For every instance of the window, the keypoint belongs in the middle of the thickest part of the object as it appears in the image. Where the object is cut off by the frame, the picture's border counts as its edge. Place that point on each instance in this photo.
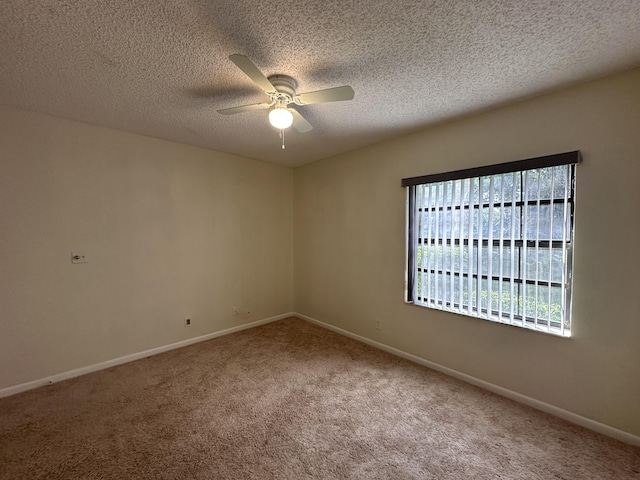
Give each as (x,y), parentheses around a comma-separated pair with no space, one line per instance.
(495,242)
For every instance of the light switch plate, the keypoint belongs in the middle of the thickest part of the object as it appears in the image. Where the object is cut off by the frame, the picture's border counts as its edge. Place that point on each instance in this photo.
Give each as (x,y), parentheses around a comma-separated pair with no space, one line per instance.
(79,257)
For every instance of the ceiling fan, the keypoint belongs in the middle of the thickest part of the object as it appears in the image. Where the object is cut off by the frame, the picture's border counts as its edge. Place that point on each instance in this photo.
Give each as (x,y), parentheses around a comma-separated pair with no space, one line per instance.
(281,90)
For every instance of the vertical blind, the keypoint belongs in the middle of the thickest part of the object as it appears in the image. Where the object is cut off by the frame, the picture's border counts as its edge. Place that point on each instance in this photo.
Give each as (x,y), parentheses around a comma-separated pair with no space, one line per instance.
(495,242)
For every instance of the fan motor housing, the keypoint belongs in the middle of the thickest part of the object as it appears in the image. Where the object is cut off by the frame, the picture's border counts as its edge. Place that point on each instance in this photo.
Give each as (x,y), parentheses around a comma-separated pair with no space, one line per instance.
(284,84)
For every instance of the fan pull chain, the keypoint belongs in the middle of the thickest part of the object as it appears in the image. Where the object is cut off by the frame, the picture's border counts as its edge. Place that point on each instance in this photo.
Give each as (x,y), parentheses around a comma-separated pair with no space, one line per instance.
(282,136)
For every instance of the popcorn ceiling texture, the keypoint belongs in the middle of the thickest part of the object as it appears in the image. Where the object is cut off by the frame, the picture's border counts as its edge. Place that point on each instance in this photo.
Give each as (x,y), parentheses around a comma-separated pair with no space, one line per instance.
(161,68)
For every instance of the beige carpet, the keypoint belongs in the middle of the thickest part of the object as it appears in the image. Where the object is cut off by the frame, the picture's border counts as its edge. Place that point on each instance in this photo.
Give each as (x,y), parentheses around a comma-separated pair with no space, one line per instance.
(290,400)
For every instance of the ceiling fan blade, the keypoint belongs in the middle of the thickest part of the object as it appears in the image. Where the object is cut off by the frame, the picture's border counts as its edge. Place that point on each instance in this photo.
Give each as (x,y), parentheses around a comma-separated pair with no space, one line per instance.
(253,72)
(299,122)
(335,94)
(244,108)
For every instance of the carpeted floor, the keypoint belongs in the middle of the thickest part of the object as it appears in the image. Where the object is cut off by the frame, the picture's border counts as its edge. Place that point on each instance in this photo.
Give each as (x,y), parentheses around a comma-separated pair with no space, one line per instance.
(290,400)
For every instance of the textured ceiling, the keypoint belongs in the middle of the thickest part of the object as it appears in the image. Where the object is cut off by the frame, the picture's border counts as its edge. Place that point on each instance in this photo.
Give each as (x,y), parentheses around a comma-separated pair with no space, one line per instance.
(161,68)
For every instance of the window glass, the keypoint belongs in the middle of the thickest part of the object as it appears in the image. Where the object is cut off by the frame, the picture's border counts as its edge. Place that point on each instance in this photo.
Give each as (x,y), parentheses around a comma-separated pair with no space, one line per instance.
(496,246)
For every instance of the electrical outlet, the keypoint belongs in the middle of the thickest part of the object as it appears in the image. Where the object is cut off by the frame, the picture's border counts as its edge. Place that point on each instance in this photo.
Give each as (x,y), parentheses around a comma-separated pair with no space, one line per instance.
(378,324)
(239,311)
(187,322)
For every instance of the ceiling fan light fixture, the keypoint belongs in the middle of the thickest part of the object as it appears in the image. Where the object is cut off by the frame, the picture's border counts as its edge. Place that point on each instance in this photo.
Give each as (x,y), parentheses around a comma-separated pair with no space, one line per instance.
(280,118)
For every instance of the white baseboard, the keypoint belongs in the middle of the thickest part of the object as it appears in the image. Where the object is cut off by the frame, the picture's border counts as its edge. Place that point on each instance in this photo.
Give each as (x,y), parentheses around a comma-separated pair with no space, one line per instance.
(23,387)
(574,418)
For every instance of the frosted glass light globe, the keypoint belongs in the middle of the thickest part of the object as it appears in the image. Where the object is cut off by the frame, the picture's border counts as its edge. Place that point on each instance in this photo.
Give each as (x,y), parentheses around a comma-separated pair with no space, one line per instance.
(280,118)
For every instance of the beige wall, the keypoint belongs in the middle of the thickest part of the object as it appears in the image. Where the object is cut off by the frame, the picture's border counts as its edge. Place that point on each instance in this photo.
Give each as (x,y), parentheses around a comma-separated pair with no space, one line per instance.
(171,231)
(350,246)
(174,231)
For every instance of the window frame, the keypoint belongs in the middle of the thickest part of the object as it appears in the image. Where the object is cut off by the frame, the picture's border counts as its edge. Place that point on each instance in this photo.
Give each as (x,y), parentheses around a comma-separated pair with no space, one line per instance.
(414,242)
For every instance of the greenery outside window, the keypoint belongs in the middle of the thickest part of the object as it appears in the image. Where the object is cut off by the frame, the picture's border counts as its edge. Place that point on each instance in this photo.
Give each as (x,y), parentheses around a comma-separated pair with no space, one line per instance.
(495,242)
